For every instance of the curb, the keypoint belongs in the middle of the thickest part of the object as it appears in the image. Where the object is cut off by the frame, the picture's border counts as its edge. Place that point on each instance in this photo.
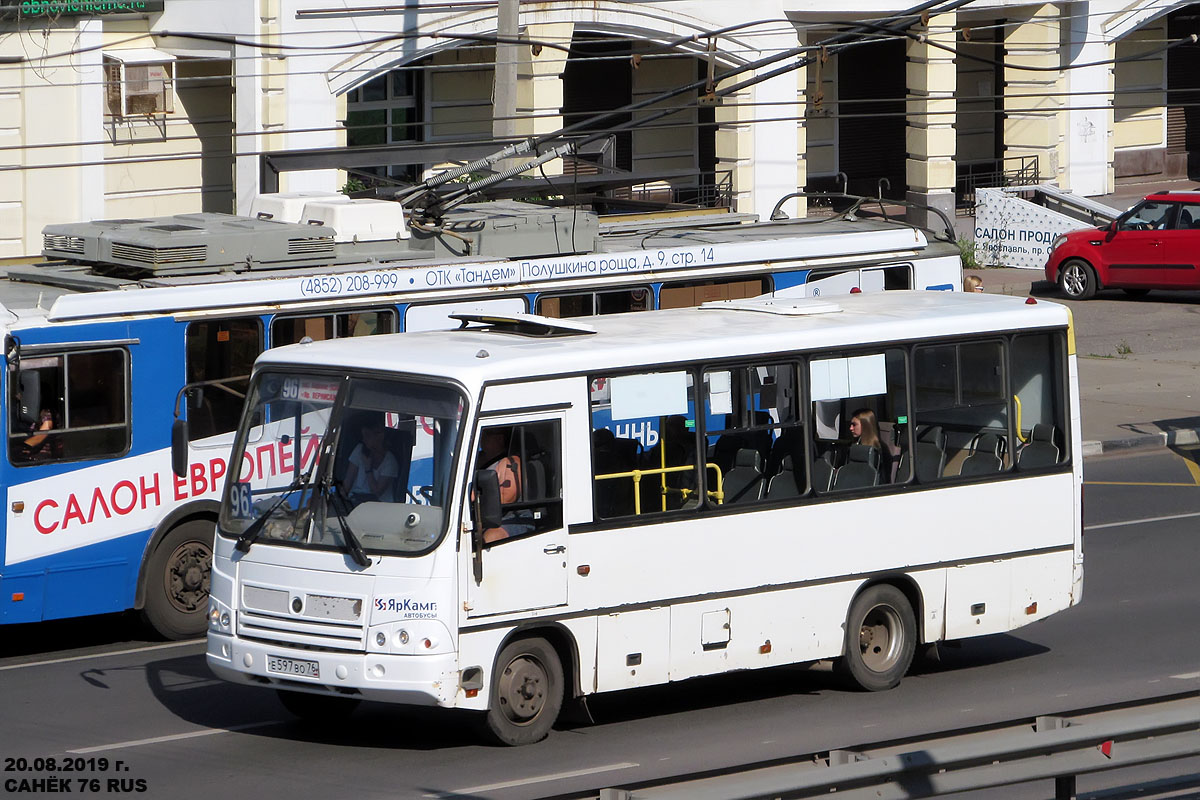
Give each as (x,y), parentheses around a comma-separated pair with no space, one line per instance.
(1144,441)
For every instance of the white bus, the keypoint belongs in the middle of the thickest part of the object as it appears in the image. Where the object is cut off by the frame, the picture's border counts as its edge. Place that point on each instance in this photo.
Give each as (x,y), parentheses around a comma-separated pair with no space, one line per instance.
(827,480)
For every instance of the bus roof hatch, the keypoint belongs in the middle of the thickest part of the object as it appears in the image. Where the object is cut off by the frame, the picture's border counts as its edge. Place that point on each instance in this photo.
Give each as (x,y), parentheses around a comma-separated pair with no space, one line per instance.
(524,324)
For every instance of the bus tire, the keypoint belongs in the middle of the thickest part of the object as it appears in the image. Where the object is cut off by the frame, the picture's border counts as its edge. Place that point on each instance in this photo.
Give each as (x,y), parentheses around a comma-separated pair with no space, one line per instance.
(177,581)
(317,707)
(1077,279)
(881,635)
(527,693)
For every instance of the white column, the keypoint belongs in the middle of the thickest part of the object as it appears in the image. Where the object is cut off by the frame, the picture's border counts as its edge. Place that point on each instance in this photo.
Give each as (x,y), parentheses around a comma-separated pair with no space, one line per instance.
(1089,148)
(91,120)
(775,140)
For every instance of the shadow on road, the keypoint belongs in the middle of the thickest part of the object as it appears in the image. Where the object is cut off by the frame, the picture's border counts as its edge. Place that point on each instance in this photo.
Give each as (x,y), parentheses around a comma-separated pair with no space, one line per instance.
(55,636)
(185,687)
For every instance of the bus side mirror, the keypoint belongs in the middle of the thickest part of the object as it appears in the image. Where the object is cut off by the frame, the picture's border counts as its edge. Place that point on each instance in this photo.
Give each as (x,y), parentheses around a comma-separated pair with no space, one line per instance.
(486,497)
(487,500)
(179,447)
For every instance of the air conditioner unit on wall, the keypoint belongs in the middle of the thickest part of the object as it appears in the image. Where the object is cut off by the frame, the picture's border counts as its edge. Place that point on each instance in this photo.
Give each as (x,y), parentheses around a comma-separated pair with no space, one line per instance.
(139,89)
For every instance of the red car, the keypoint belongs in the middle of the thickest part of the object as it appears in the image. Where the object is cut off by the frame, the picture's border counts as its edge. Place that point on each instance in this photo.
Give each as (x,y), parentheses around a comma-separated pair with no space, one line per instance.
(1154,245)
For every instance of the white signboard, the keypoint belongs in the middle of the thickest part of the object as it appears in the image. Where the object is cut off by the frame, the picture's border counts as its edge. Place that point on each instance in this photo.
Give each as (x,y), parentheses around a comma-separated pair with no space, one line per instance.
(1012,232)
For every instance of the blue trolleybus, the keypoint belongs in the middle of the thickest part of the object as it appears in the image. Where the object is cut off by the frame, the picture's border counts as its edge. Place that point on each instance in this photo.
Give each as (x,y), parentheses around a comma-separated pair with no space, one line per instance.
(131,324)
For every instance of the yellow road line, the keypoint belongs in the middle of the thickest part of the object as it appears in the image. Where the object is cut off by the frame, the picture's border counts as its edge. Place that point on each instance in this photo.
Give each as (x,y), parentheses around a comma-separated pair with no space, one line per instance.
(1193,468)
(1140,483)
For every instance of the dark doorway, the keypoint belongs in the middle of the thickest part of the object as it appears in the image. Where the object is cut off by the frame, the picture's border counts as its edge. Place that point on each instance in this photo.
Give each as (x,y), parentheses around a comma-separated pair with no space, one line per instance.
(871,122)
(1183,95)
(598,77)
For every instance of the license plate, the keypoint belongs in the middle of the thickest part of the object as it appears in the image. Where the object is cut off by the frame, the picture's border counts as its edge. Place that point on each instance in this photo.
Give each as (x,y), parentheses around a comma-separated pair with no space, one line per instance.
(293,666)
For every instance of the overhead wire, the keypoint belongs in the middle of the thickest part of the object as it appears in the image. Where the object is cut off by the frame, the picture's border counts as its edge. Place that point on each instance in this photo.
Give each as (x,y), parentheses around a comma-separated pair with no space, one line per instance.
(482,39)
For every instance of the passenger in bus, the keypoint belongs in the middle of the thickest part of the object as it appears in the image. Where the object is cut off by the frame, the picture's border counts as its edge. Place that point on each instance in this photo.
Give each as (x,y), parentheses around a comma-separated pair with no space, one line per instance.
(39,446)
(372,470)
(864,427)
(494,455)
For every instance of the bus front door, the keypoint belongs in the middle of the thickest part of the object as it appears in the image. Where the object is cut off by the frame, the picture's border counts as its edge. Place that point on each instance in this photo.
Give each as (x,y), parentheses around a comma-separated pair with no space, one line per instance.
(523,563)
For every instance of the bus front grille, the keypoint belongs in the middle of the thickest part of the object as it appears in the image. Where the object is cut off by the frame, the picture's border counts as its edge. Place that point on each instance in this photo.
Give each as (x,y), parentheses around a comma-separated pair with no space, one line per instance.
(319,634)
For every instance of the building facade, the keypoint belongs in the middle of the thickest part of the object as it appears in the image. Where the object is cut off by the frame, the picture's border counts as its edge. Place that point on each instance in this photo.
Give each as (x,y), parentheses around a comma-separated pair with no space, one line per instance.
(130,109)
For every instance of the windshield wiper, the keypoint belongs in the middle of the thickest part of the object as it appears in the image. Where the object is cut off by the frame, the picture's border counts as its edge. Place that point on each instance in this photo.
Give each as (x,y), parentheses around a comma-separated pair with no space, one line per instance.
(353,546)
(250,535)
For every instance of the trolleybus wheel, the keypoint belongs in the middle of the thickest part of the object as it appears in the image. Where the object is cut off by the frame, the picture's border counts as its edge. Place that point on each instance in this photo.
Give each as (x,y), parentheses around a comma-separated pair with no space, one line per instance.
(177,580)
(317,707)
(527,693)
(880,638)
(1077,279)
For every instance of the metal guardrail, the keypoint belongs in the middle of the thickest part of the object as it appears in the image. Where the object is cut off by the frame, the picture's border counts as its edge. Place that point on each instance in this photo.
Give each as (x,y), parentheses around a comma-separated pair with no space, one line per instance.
(1057,748)
(1010,171)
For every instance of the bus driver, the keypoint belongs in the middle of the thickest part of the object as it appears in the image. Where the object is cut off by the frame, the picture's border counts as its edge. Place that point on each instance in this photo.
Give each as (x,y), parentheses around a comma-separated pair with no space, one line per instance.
(493,455)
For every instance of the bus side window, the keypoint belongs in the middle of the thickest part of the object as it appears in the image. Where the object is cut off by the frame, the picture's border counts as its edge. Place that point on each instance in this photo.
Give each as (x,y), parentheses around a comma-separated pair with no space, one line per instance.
(644,444)
(961,409)
(1039,393)
(753,435)
(527,459)
(859,421)
(224,351)
(70,406)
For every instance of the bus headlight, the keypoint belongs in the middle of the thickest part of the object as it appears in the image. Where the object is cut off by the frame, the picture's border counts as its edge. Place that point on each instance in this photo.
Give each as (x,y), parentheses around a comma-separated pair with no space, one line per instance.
(219,618)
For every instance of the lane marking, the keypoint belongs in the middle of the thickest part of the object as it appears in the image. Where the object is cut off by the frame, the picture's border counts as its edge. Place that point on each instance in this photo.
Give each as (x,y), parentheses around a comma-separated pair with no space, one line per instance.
(1193,468)
(1140,521)
(1146,483)
(1187,676)
(102,655)
(175,737)
(557,776)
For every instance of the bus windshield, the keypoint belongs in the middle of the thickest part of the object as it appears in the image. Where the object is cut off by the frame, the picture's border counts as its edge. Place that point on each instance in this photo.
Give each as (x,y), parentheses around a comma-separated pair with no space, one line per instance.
(353,463)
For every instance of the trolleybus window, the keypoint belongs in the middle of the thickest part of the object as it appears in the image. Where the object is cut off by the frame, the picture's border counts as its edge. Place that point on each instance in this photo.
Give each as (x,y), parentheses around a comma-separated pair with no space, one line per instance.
(692,293)
(289,330)
(218,350)
(70,406)
(585,304)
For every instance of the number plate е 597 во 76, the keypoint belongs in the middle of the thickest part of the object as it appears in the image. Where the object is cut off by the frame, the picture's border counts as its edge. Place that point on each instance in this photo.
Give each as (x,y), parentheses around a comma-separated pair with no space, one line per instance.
(292,666)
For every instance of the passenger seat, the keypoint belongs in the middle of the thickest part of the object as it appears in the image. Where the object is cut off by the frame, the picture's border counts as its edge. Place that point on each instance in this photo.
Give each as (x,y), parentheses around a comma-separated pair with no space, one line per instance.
(987,455)
(784,484)
(744,483)
(860,471)
(1040,450)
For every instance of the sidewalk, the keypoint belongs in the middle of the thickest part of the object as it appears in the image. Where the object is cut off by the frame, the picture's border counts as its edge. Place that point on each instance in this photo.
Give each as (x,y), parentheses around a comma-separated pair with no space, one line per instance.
(1140,400)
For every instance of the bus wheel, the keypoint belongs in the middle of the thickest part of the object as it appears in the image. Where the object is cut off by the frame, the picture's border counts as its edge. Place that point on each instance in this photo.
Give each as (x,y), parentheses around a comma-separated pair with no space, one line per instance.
(1077,280)
(880,638)
(177,578)
(317,707)
(527,693)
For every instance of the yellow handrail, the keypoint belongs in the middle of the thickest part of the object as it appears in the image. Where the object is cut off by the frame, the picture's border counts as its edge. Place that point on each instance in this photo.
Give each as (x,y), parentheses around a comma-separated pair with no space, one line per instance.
(1017,403)
(636,475)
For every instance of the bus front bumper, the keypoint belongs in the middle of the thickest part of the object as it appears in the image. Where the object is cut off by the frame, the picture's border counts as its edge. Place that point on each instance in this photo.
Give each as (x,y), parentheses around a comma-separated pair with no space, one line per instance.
(430,680)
